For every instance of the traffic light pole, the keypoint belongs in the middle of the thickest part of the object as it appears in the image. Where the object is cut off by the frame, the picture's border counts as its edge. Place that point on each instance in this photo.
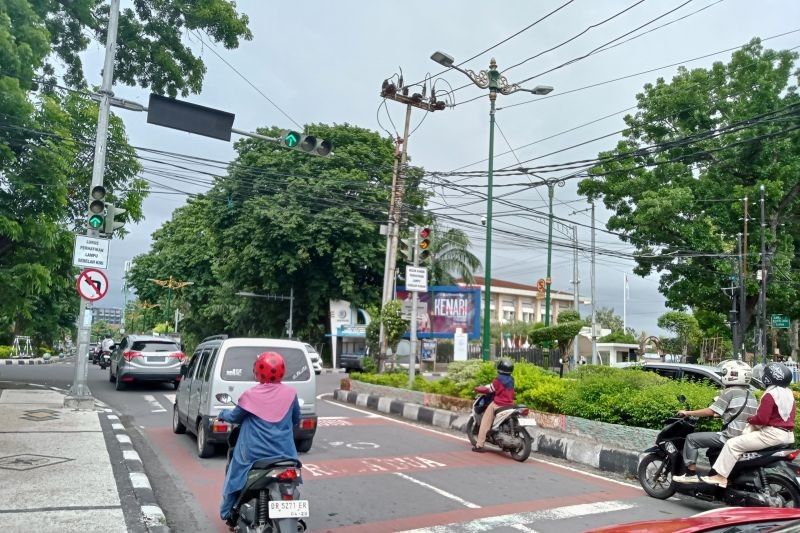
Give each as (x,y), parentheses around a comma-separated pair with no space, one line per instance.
(412,356)
(80,397)
(762,341)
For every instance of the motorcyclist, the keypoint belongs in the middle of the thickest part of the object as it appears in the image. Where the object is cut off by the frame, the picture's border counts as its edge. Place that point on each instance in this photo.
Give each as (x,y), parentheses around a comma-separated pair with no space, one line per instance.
(267,414)
(772,425)
(106,345)
(502,389)
(734,405)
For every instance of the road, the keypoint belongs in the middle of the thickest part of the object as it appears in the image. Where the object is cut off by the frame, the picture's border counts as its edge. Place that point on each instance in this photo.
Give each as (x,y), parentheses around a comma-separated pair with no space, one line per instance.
(371,473)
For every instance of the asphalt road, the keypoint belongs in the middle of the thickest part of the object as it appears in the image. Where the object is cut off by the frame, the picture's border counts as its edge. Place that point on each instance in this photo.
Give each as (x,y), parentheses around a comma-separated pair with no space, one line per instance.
(371,473)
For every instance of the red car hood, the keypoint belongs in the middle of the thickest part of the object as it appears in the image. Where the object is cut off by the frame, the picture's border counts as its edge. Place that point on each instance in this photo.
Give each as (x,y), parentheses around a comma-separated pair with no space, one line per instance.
(710,519)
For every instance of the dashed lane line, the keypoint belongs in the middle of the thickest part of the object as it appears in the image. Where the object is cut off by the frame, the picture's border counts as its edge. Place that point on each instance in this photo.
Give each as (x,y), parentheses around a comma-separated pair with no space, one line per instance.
(438,491)
(154,404)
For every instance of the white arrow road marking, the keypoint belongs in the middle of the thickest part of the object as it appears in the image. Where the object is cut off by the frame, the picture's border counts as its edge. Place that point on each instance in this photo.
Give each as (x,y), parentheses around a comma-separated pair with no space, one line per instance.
(156,407)
(492,523)
(439,491)
(170,398)
(362,445)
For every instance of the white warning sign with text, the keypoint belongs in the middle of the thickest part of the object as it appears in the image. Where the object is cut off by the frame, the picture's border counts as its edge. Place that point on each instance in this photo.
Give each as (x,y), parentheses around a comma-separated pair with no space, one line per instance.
(90,252)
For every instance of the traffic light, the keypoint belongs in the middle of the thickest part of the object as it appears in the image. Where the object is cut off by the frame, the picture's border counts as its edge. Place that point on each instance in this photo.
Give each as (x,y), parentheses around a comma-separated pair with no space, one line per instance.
(109,224)
(424,244)
(407,249)
(308,144)
(97,206)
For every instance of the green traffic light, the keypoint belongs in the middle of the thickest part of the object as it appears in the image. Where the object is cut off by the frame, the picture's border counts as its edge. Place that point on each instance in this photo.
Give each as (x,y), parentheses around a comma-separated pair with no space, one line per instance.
(95,221)
(291,139)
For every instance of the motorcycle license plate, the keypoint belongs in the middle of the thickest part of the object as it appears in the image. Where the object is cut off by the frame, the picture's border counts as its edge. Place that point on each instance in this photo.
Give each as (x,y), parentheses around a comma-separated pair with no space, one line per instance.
(527,422)
(288,509)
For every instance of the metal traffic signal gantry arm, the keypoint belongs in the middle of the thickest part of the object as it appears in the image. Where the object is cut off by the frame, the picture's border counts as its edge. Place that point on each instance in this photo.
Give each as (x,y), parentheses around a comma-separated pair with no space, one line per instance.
(308,144)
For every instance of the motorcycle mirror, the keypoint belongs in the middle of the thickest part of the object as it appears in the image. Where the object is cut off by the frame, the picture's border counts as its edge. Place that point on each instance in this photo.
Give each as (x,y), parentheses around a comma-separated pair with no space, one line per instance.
(682,398)
(224,397)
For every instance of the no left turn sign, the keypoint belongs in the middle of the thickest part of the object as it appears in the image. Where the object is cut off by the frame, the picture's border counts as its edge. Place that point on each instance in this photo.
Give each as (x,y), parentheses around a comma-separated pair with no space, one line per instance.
(92,284)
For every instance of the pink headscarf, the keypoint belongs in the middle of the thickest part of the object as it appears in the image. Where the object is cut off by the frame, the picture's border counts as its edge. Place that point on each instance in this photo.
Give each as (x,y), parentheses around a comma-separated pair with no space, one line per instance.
(269,401)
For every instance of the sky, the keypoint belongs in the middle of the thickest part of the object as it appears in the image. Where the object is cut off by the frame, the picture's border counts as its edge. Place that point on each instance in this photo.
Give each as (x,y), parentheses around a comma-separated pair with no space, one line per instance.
(326,63)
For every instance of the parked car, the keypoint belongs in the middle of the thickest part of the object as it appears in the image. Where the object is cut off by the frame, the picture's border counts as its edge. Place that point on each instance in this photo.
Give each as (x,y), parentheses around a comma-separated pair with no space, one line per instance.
(220,364)
(723,520)
(688,371)
(145,358)
(316,360)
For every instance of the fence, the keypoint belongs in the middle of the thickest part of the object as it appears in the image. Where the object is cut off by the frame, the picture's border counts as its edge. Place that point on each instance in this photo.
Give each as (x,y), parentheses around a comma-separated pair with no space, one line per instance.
(547,359)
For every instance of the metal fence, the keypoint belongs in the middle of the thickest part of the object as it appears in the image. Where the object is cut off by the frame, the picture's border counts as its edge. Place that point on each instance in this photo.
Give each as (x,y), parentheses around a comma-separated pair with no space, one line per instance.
(547,359)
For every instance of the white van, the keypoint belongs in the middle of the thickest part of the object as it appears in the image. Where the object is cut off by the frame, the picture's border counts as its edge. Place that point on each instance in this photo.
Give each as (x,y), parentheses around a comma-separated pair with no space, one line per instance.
(220,364)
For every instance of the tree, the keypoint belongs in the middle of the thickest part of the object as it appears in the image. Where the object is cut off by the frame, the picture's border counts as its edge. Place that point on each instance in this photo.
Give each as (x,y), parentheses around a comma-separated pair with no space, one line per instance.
(562,333)
(570,315)
(682,324)
(619,336)
(606,319)
(451,258)
(695,148)
(100,330)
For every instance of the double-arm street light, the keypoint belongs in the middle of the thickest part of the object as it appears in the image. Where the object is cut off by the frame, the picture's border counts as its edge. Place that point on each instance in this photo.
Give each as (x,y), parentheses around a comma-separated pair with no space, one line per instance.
(494,81)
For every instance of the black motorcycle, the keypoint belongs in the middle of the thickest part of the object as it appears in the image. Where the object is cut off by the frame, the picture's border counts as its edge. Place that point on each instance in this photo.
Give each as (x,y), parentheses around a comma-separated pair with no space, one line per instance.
(765,478)
(104,359)
(509,428)
(270,500)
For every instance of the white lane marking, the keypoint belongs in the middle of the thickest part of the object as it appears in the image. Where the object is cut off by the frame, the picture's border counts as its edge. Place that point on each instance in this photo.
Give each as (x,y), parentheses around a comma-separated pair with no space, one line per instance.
(438,491)
(332,417)
(156,407)
(139,480)
(152,514)
(131,455)
(456,437)
(124,439)
(362,445)
(491,523)
(119,427)
(170,398)
(112,417)
(520,527)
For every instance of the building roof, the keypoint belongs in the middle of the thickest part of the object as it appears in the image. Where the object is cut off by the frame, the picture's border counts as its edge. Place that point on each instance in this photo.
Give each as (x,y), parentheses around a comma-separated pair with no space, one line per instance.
(479,282)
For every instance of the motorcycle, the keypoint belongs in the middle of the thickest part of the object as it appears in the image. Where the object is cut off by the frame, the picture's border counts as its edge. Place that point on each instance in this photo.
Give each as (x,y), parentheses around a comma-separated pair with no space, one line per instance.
(764,478)
(104,359)
(270,500)
(508,431)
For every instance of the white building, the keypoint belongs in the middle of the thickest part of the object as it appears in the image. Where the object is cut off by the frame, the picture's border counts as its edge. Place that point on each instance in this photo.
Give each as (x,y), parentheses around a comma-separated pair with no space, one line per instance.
(516,301)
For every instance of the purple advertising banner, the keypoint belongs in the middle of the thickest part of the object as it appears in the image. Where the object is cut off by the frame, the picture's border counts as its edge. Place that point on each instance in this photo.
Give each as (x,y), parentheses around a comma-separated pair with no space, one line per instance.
(442,310)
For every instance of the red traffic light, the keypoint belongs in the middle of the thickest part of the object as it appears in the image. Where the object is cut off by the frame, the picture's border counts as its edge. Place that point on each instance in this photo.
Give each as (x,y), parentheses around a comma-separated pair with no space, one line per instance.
(424,233)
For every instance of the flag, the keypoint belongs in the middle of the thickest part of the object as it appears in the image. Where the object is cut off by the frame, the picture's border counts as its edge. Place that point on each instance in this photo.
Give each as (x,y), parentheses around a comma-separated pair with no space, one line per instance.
(627,288)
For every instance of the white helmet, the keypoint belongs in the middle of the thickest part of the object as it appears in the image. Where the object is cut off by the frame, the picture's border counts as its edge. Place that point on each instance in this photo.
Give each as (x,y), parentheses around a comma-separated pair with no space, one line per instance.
(735,372)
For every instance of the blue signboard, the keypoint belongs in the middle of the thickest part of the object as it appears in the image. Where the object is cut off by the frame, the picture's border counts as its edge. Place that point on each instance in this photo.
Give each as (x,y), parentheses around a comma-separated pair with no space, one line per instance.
(446,308)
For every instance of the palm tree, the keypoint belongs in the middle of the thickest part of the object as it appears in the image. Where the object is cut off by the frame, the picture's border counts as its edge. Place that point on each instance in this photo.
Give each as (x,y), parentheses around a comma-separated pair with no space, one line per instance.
(450,256)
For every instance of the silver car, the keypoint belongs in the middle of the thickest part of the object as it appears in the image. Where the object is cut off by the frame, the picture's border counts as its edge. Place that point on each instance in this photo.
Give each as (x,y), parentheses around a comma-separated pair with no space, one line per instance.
(145,358)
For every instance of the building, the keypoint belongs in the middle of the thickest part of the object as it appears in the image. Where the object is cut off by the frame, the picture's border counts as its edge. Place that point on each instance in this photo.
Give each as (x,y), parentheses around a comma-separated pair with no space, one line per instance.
(110,315)
(516,301)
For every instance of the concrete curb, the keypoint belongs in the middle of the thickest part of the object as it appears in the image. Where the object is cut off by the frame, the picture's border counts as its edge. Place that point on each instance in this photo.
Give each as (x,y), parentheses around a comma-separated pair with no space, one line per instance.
(546,441)
(36,361)
(153,517)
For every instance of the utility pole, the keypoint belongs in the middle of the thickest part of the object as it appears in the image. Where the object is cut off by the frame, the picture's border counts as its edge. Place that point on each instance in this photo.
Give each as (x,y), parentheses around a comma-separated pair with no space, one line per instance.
(594,314)
(80,396)
(399,93)
(549,280)
(738,339)
(744,246)
(576,286)
(412,357)
(762,344)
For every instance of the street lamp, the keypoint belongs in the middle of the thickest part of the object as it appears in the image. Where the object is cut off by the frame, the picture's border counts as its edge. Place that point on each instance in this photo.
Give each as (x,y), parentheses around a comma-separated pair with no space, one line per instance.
(494,81)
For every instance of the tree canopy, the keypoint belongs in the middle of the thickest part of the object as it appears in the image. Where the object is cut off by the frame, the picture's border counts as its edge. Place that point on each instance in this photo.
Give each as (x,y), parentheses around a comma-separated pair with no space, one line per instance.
(696,147)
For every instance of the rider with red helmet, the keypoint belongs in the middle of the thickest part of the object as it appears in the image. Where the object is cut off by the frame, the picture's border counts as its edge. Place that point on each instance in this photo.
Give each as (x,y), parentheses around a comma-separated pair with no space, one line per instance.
(267,414)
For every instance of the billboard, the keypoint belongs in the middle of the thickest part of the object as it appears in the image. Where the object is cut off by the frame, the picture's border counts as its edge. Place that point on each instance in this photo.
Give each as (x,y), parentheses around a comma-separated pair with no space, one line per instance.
(443,309)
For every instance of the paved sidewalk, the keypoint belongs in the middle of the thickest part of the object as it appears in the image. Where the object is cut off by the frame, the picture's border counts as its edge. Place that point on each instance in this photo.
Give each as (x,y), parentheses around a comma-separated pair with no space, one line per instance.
(57,471)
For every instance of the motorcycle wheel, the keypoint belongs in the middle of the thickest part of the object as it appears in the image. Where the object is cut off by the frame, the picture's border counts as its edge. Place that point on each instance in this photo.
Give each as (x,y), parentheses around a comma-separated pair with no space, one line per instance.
(470,429)
(653,464)
(785,490)
(522,454)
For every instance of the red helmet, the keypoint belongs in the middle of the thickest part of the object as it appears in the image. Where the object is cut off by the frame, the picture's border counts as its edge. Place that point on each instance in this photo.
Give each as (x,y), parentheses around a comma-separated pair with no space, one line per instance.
(269,368)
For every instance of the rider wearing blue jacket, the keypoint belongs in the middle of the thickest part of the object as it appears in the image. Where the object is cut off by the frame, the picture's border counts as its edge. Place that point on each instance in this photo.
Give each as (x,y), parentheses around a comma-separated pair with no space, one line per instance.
(268,414)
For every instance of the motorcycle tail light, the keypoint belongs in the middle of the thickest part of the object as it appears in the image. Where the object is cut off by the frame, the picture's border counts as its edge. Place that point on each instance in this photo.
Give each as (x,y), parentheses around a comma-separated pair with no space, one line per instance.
(289,474)
(524,412)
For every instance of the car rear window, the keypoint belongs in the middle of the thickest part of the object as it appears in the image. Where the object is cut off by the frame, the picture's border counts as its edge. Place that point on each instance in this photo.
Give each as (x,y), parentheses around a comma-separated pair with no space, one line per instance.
(154,346)
(238,363)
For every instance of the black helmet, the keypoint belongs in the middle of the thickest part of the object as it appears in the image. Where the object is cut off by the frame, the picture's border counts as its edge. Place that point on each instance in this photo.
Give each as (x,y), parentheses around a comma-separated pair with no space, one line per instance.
(776,374)
(504,366)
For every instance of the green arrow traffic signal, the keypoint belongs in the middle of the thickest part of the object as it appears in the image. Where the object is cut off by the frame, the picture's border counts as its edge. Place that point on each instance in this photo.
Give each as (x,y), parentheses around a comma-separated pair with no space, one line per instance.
(96,221)
(291,139)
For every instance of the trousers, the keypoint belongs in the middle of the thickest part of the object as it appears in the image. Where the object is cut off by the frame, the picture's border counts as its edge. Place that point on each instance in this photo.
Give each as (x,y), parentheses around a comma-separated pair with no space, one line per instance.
(752,439)
(486,424)
(696,441)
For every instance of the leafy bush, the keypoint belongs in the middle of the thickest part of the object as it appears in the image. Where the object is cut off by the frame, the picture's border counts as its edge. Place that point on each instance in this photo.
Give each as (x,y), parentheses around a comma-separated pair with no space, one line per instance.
(5,352)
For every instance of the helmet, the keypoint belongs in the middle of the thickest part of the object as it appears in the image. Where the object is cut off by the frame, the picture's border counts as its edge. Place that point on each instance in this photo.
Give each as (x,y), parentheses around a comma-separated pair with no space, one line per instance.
(504,366)
(735,373)
(269,368)
(777,374)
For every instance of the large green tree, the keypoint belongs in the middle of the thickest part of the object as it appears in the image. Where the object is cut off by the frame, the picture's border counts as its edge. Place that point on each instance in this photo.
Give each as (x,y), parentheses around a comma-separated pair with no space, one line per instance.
(694,149)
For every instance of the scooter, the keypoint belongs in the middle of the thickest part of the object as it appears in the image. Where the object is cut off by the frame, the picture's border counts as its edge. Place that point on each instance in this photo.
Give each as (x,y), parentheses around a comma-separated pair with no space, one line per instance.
(765,478)
(509,429)
(104,360)
(270,500)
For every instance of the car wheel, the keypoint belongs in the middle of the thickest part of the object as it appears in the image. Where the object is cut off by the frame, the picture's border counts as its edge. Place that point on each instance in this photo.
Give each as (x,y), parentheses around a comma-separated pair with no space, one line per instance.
(119,384)
(304,446)
(205,449)
(177,425)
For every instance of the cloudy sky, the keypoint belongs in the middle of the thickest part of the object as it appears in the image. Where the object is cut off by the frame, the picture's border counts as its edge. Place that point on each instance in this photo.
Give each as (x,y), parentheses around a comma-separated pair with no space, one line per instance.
(326,63)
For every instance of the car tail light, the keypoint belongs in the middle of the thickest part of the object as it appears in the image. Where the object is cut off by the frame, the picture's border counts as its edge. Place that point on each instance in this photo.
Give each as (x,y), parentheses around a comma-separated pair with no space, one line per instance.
(220,427)
(180,356)
(130,355)
(524,411)
(308,423)
(289,474)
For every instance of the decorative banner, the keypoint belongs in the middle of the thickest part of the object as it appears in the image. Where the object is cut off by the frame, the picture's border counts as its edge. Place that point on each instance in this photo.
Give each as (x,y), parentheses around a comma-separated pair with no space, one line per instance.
(446,310)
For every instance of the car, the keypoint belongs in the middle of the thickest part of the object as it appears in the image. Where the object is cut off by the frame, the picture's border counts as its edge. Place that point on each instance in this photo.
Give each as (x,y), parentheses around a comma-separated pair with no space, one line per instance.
(723,520)
(221,364)
(688,371)
(145,358)
(316,360)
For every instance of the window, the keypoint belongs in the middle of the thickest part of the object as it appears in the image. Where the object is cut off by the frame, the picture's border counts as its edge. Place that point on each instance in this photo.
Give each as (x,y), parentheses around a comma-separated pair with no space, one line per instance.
(201,365)
(508,315)
(193,363)
(155,346)
(698,377)
(671,373)
(238,363)
(210,365)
